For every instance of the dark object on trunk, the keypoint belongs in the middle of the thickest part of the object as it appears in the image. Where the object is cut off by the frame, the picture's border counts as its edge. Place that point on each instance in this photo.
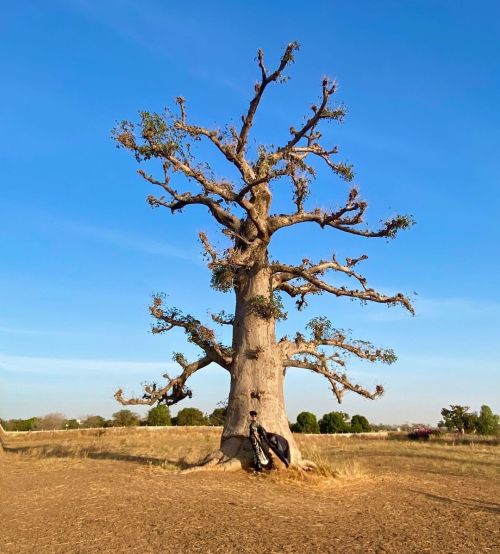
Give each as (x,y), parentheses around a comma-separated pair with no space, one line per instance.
(279,445)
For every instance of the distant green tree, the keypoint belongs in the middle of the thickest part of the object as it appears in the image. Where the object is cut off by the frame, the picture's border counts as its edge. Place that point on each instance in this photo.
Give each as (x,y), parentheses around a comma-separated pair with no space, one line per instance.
(334,422)
(94,421)
(459,418)
(125,418)
(71,424)
(487,422)
(191,416)
(306,423)
(217,417)
(30,424)
(159,415)
(359,424)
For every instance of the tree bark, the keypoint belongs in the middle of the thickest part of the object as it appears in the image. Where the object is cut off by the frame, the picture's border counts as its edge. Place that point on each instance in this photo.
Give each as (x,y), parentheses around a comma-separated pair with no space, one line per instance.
(257,372)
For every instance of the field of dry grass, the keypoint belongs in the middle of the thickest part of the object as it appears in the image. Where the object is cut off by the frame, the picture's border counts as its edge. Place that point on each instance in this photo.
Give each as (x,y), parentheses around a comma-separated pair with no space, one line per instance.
(119,490)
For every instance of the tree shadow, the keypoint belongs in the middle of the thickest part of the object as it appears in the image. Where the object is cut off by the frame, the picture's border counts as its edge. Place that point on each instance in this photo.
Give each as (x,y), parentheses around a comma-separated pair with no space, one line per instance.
(472,503)
(425,456)
(61,452)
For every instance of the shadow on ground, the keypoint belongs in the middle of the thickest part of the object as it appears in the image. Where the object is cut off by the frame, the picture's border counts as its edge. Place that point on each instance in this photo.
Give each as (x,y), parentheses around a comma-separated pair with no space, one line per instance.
(61,452)
(472,503)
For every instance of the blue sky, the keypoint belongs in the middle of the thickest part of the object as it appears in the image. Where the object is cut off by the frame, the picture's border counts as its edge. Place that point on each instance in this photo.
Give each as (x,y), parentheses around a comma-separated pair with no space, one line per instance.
(81,251)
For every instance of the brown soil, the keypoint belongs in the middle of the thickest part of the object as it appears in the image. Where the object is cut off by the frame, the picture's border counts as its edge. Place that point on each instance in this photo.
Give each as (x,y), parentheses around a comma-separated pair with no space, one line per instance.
(85,505)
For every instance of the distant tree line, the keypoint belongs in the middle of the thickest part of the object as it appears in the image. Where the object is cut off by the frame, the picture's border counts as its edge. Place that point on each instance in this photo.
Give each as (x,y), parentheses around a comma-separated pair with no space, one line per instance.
(159,415)
(455,419)
(462,420)
(332,422)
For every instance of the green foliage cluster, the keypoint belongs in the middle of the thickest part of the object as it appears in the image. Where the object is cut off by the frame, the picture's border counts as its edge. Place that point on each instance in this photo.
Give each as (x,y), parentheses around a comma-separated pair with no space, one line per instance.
(126,418)
(268,308)
(190,417)
(222,278)
(332,422)
(31,424)
(159,416)
(217,417)
(71,424)
(95,422)
(359,424)
(488,423)
(306,423)
(461,419)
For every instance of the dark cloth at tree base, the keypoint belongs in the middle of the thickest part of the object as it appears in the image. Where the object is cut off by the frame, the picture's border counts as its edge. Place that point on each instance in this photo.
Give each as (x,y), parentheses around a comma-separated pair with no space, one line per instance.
(262,442)
(261,454)
(279,445)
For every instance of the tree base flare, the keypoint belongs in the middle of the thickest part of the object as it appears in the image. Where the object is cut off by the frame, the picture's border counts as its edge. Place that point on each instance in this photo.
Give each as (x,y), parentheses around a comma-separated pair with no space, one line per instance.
(236,453)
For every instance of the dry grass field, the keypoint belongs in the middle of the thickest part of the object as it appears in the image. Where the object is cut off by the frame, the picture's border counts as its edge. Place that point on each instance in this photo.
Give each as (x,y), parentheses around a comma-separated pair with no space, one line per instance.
(120,490)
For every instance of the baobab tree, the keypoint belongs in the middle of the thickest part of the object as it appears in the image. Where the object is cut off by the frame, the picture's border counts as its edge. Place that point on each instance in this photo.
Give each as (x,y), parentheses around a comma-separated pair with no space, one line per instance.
(256,360)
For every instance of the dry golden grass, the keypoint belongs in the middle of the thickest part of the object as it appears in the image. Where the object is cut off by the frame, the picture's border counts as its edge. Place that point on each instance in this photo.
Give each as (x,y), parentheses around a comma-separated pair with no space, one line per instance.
(336,457)
(395,456)
(170,448)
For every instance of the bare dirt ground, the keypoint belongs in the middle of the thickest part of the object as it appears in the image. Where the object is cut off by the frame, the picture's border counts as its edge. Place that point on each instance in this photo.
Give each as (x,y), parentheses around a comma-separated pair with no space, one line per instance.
(115,495)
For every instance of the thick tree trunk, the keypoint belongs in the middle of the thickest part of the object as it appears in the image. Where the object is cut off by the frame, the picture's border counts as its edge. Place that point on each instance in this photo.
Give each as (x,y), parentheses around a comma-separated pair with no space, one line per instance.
(257,373)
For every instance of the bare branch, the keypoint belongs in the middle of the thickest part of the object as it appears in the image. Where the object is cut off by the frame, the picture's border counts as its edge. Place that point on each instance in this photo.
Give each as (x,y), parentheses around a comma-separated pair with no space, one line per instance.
(308,354)
(344,219)
(181,200)
(314,285)
(227,149)
(196,332)
(222,318)
(281,273)
(175,389)
(319,112)
(339,382)
(323,334)
(167,142)
(247,120)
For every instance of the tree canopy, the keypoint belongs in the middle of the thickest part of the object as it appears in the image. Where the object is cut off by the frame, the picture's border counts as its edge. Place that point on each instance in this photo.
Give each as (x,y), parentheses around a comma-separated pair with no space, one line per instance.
(247,216)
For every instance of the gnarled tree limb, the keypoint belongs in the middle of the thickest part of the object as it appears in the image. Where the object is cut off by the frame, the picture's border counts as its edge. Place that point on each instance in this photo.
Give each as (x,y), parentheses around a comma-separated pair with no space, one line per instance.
(314,285)
(174,391)
(197,333)
(309,354)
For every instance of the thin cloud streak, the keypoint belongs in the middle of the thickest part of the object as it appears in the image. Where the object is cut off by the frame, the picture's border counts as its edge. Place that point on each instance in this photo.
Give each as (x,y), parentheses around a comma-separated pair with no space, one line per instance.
(127,241)
(44,332)
(438,308)
(49,222)
(67,366)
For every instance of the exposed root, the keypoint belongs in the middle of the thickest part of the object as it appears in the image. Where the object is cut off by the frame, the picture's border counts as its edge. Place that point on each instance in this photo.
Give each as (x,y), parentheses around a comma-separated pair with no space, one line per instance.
(236,453)
(307,465)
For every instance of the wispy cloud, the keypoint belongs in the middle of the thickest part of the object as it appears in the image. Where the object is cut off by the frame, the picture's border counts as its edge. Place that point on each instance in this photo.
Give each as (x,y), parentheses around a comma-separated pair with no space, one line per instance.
(49,222)
(125,240)
(451,365)
(72,366)
(144,24)
(437,308)
(467,307)
(44,332)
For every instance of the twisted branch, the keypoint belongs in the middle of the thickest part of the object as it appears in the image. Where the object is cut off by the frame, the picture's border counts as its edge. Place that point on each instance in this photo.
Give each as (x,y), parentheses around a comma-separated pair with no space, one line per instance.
(309,273)
(266,79)
(174,391)
(197,333)
(307,354)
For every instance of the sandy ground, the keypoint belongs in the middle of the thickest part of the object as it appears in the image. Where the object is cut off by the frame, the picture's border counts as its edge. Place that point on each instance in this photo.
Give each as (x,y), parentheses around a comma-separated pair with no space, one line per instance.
(84,505)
